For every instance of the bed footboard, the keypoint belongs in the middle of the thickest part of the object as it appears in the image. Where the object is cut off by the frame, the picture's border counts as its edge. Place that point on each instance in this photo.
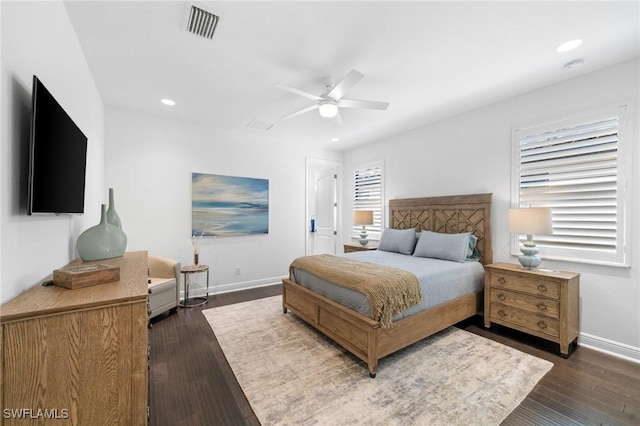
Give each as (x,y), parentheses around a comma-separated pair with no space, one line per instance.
(353,331)
(364,337)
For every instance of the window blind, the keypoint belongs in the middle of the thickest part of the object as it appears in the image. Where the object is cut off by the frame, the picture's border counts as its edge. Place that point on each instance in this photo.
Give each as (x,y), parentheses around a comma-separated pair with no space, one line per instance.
(574,169)
(367,195)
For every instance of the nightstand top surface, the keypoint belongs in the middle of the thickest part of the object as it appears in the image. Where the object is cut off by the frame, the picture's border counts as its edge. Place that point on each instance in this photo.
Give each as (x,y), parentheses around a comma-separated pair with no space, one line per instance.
(540,272)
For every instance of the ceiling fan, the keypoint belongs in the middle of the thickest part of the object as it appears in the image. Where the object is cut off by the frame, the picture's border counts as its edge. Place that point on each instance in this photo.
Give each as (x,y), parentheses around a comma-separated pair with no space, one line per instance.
(329,102)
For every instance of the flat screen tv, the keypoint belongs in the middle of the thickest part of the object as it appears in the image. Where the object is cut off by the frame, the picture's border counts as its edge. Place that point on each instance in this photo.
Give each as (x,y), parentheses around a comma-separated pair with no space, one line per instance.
(57,157)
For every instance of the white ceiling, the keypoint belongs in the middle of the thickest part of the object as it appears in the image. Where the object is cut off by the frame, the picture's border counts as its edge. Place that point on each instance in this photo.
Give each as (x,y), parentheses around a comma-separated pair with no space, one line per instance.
(429,60)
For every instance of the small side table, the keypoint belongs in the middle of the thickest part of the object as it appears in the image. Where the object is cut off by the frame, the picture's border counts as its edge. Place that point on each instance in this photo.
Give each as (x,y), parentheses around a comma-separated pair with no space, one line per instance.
(190,302)
(543,304)
(349,248)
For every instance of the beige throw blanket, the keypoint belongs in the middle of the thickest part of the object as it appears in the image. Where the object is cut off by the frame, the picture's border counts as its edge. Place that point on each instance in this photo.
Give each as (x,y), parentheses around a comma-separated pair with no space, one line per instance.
(390,291)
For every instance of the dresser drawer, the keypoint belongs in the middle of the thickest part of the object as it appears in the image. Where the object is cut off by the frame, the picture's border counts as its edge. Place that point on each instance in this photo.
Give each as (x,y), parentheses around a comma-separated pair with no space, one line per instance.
(526,302)
(538,287)
(521,318)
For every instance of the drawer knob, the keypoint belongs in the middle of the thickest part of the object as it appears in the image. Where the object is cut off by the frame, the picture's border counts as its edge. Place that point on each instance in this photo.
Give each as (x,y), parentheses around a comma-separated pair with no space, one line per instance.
(501,313)
(542,288)
(501,280)
(542,306)
(502,296)
(542,325)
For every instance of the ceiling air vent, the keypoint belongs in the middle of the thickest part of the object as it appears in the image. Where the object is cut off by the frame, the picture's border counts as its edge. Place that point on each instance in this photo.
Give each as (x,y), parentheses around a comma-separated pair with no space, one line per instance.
(257,124)
(201,22)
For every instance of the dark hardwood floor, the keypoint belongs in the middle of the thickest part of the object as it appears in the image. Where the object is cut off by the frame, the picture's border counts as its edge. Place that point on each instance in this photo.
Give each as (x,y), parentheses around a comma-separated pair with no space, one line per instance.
(191,383)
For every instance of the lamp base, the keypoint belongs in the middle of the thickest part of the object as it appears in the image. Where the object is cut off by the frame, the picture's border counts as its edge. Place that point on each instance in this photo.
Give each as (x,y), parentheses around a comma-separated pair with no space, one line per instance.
(530,260)
(363,238)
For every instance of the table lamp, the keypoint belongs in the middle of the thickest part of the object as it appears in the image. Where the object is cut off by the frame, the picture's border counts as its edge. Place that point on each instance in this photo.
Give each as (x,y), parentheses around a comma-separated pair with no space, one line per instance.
(530,221)
(364,218)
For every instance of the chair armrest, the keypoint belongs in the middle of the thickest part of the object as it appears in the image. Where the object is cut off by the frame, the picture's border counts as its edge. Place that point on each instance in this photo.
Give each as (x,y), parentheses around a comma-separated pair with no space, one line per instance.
(162,267)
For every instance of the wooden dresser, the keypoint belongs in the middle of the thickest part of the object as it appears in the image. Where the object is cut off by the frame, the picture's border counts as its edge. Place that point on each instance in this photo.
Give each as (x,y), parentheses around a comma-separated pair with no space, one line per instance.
(539,303)
(77,356)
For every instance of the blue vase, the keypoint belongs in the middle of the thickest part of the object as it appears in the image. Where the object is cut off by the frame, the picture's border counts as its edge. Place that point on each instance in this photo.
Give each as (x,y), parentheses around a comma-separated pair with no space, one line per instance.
(103,241)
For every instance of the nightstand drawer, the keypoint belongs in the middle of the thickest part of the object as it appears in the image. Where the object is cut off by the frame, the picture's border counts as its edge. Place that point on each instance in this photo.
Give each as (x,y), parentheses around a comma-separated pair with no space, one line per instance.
(503,313)
(528,303)
(533,286)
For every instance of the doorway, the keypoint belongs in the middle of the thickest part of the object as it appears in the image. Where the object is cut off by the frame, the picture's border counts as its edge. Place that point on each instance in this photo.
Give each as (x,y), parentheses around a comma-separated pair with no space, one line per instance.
(323,206)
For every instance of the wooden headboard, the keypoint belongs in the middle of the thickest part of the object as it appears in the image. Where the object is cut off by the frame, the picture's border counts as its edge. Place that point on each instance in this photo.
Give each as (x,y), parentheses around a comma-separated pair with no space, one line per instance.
(448,214)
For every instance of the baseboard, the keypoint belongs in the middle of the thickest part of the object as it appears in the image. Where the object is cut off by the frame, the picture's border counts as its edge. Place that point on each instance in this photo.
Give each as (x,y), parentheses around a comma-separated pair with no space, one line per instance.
(227,288)
(610,347)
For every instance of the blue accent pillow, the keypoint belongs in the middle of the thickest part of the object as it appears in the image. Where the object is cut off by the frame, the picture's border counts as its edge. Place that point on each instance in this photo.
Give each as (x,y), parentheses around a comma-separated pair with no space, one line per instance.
(455,247)
(473,253)
(398,240)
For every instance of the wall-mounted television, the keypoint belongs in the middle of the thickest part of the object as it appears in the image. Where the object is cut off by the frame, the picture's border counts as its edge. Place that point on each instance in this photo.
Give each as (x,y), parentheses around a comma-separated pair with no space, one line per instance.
(57,157)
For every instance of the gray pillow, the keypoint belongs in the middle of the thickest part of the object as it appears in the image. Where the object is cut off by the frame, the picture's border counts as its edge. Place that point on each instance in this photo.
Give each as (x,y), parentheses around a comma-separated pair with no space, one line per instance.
(398,240)
(436,245)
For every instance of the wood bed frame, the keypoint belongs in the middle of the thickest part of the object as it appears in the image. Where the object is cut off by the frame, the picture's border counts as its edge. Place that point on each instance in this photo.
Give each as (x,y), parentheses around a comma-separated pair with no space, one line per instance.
(364,337)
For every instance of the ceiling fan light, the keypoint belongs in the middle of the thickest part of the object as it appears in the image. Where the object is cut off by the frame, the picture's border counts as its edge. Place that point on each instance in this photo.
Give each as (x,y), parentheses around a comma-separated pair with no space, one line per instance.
(328,109)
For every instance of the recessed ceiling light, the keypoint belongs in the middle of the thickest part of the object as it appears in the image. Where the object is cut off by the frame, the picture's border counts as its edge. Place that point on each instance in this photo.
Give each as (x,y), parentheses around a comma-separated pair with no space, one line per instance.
(168,102)
(335,139)
(570,45)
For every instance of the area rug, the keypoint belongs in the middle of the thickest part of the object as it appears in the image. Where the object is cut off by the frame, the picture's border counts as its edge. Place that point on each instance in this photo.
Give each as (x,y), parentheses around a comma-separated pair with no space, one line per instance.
(293,375)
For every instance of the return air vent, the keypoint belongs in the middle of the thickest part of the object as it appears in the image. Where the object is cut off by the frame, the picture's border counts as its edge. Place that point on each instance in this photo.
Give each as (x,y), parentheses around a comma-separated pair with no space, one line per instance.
(201,22)
(257,124)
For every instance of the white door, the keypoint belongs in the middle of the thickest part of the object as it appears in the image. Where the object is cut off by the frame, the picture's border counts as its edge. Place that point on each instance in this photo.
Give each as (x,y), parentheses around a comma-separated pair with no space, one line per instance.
(324,239)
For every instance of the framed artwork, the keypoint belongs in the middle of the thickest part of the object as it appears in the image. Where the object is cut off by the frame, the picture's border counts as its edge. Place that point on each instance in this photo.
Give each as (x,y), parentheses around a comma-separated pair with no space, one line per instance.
(228,206)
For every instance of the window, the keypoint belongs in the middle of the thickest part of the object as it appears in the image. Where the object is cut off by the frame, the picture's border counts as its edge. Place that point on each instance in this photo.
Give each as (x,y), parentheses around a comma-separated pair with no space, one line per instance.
(367,195)
(577,168)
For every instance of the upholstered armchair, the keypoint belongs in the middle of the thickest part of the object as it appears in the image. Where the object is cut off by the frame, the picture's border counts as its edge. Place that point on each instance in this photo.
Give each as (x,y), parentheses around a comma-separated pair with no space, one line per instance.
(164,285)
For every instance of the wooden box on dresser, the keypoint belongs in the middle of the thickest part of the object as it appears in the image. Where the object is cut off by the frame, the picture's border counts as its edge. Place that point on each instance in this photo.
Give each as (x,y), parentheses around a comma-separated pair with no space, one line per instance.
(544,304)
(77,356)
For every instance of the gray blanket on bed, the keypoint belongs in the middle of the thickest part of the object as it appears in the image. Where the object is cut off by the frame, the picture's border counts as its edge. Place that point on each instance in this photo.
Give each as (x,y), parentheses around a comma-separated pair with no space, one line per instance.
(440,280)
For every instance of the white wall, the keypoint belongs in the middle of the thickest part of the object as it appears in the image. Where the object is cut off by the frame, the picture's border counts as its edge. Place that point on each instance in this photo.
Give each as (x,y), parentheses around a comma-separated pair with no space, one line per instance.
(471,153)
(149,161)
(38,38)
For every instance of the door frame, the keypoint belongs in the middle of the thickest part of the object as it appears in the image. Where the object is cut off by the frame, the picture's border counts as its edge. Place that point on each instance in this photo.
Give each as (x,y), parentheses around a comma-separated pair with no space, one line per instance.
(313,165)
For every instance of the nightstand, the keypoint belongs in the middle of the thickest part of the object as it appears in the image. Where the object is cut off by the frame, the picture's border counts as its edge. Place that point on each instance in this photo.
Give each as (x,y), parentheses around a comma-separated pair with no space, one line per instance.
(348,248)
(543,304)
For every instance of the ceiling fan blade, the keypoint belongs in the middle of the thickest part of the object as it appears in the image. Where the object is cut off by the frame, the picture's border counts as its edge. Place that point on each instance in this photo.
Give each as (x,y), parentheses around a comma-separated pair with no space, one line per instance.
(347,83)
(300,112)
(298,92)
(353,103)
(337,119)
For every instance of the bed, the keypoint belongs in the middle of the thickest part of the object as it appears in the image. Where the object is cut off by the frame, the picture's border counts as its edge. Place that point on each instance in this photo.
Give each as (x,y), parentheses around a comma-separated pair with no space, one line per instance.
(366,338)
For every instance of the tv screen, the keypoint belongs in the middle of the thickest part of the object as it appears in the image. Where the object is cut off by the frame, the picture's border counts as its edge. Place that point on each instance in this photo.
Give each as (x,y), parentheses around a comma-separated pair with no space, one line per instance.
(57,157)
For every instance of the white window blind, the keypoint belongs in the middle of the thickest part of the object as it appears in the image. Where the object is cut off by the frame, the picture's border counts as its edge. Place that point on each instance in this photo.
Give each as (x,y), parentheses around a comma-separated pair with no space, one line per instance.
(575,168)
(367,195)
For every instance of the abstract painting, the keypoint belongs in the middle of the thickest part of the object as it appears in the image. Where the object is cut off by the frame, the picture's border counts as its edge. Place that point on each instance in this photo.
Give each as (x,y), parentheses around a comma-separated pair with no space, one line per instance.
(227,206)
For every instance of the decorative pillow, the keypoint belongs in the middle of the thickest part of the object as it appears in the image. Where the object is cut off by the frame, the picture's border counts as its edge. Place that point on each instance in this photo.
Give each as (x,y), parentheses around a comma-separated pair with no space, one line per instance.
(472,252)
(436,245)
(398,240)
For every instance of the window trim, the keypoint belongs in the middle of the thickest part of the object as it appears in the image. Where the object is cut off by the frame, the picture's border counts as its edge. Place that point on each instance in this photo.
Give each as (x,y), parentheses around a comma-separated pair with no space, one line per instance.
(622,256)
(374,235)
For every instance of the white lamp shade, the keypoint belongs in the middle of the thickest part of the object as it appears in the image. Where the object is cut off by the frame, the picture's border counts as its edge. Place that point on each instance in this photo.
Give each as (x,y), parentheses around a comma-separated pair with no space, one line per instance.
(328,109)
(363,217)
(530,221)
